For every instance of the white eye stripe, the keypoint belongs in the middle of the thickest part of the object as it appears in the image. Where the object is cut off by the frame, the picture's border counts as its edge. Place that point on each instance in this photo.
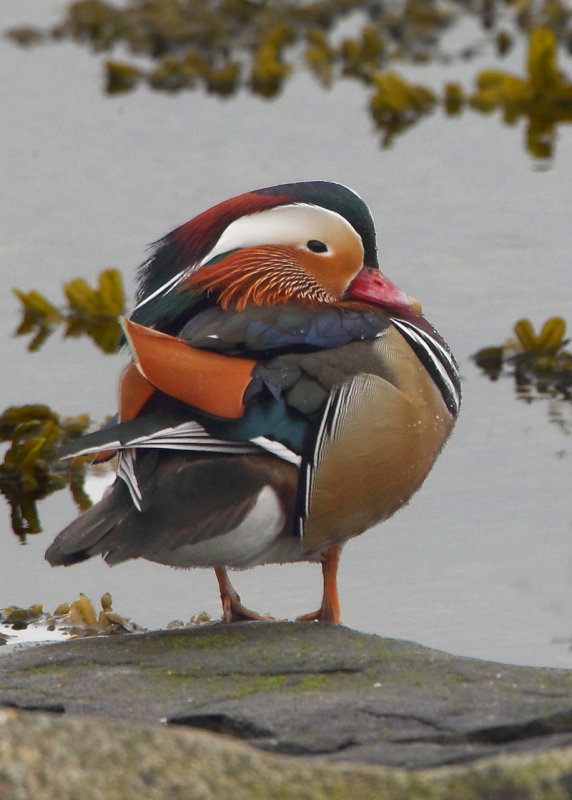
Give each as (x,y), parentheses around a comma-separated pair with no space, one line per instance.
(290,225)
(293,225)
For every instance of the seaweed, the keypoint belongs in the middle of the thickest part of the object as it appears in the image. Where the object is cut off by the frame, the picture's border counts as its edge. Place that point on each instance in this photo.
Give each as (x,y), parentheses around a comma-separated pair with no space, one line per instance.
(77,619)
(30,470)
(543,97)
(539,363)
(226,46)
(34,433)
(397,104)
(91,312)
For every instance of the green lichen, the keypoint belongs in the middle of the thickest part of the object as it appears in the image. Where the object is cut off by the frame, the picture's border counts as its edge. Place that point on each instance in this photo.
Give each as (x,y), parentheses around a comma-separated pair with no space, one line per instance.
(51,669)
(241,686)
(237,686)
(313,683)
(205,640)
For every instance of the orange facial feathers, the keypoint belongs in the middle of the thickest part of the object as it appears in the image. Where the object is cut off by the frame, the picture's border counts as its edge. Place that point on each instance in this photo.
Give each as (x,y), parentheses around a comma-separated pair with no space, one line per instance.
(269,275)
(264,276)
(209,381)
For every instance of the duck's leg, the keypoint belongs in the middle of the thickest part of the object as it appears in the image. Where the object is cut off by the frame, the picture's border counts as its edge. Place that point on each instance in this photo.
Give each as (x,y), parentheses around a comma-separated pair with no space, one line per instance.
(232,608)
(329,611)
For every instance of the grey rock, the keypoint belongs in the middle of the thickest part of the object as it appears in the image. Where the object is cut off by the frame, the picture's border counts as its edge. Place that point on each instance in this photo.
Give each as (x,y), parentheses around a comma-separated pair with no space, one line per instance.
(54,757)
(304,689)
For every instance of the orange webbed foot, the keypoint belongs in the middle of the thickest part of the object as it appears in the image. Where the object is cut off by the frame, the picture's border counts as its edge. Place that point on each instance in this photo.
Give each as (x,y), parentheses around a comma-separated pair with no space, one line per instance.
(329,611)
(232,608)
(321,615)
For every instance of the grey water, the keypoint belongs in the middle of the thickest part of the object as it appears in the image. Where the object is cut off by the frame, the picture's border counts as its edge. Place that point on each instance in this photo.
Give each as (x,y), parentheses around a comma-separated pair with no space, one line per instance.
(480,562)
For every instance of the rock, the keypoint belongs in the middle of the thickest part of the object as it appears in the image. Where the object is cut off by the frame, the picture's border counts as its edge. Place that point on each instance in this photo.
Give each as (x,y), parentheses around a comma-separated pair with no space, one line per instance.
(301,689)
(65,758)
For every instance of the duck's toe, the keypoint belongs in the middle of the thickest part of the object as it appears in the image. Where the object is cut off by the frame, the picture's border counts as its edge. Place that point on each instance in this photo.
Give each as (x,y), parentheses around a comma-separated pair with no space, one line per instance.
(232,608)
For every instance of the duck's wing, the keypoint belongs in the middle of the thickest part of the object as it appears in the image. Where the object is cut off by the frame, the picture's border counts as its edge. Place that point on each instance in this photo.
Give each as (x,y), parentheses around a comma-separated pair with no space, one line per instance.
(194,510)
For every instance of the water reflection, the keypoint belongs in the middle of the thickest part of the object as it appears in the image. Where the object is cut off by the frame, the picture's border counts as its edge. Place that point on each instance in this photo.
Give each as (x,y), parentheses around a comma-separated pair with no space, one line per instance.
(34,433)
(540,365)
(543,98)
(69,620)
(90,312)
(480,563)
(233,45)
(31,469)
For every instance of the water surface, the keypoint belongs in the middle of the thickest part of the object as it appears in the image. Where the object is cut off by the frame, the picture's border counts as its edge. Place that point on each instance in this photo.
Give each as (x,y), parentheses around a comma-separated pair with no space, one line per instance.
(480,562)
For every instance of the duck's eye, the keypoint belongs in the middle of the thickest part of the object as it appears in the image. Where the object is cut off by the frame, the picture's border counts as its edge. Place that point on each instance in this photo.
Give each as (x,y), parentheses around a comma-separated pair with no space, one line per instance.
(316,246)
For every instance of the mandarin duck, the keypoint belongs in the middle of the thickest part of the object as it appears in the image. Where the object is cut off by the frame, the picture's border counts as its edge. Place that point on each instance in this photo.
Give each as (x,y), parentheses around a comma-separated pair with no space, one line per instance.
(283,395)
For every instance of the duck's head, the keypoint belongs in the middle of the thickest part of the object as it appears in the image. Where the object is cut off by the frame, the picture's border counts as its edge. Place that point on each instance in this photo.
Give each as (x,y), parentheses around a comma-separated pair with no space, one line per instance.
(309,243)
